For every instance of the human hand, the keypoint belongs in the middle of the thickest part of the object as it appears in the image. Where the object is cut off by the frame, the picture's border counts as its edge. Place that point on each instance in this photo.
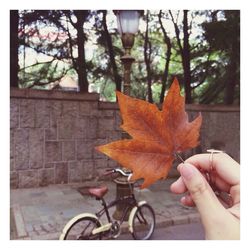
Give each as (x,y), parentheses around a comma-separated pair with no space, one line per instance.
(220,220)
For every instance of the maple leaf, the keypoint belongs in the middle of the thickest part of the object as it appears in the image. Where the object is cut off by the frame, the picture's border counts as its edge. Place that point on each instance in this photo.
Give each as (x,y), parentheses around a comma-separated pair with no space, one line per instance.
(157,135)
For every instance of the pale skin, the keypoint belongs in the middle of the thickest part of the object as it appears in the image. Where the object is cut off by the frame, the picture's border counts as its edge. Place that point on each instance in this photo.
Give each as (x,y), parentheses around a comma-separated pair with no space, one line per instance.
(200,176)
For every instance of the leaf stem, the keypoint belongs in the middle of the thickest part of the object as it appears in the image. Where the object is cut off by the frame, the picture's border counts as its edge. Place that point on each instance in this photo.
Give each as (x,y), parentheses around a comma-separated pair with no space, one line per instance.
(179,157)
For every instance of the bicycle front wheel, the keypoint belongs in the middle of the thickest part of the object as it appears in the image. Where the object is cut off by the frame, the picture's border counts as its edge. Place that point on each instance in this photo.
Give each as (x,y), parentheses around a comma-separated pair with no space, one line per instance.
(82,229)
(143,222)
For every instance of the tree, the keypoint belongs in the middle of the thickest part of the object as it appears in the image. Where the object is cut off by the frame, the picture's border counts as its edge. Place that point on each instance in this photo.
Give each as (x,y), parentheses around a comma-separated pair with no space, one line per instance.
(147,59)
(224,36)
(207,62)
(184,49)
(52,45)
(58,45)
(168,57)
(117,77)
(81,16)
(14,19)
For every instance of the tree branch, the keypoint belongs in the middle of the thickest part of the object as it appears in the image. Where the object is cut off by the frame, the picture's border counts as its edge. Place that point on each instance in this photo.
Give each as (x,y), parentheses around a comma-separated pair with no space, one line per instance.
(43,52)
(177,31)
(50,80)
(38,63)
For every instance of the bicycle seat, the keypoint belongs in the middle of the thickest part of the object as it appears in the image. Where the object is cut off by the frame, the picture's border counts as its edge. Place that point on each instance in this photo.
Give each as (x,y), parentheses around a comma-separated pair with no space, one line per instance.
(98,192)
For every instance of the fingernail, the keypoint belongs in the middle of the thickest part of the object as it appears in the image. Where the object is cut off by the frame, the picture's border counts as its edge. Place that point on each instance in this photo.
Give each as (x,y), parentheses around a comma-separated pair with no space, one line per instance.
(187,171)
(183,199)
(179,166)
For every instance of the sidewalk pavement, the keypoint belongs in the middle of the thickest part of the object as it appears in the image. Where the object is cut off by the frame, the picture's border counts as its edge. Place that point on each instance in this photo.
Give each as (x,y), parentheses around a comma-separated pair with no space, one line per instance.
(41,213)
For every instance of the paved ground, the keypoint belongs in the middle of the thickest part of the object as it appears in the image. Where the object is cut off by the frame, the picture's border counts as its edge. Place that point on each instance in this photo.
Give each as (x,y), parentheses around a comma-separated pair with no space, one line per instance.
(41,213)
(190,231)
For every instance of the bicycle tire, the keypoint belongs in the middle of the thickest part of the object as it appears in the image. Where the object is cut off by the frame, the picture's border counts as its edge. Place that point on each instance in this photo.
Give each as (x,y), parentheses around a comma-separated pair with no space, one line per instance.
(143,222)
(81,229)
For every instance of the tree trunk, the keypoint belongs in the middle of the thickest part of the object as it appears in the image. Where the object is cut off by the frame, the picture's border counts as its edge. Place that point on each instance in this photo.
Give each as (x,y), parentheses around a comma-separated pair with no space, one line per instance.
(14,18)
(185,53)
(117,77)
(168,56)
(232,76)
(186,58)
(147,59)
(82,69)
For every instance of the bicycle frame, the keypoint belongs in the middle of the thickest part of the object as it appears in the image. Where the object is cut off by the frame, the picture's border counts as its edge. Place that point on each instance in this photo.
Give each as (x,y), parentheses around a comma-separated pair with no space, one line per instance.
(129,200)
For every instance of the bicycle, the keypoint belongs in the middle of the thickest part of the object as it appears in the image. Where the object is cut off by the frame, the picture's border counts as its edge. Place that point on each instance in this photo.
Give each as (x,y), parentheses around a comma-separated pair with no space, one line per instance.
(88,226)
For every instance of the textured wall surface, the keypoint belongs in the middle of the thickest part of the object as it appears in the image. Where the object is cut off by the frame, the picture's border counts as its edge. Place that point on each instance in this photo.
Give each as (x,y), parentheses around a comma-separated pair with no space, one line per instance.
(53,135)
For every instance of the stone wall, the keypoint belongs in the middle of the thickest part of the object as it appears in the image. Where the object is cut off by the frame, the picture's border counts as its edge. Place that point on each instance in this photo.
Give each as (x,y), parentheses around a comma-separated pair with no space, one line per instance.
(53,135)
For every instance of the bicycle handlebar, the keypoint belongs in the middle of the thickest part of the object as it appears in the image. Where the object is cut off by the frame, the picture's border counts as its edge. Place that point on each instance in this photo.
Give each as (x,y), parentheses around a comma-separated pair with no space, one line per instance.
(117,170)
(120,171)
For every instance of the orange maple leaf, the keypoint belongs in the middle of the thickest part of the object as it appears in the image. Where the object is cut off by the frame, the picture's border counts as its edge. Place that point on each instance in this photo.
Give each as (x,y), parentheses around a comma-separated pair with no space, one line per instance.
(156,135)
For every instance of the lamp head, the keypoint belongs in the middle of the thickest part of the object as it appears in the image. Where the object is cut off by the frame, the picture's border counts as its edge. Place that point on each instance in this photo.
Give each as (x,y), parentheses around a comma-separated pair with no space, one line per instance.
(128,25)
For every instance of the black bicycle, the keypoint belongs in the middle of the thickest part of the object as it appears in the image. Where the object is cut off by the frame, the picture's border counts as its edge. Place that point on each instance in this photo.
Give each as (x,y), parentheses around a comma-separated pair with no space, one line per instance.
(88,226)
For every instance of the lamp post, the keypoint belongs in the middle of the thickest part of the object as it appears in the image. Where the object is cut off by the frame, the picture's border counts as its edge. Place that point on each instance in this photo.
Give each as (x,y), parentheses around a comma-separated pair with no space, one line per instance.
(128,24)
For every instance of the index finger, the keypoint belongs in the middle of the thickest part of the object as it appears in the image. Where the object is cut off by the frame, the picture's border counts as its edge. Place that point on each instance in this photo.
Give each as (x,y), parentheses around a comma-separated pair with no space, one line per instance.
(226,167)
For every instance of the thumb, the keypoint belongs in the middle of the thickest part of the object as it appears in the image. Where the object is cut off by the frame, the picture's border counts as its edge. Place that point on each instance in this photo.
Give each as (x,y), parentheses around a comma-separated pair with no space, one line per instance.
(202,194)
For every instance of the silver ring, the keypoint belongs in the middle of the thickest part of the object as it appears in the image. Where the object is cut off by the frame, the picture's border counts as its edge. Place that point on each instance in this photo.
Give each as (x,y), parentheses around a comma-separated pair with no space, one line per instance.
(210,178)
(212,151)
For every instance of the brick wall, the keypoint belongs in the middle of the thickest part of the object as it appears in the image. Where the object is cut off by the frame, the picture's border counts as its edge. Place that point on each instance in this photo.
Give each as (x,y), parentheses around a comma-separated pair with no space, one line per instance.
(53,135)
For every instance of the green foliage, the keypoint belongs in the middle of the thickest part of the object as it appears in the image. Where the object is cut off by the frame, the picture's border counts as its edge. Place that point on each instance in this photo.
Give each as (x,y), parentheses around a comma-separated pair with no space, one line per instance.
(211,53)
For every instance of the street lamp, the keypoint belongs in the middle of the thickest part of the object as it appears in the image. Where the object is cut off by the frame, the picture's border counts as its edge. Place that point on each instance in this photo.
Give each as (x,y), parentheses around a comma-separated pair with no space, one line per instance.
(128,25)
